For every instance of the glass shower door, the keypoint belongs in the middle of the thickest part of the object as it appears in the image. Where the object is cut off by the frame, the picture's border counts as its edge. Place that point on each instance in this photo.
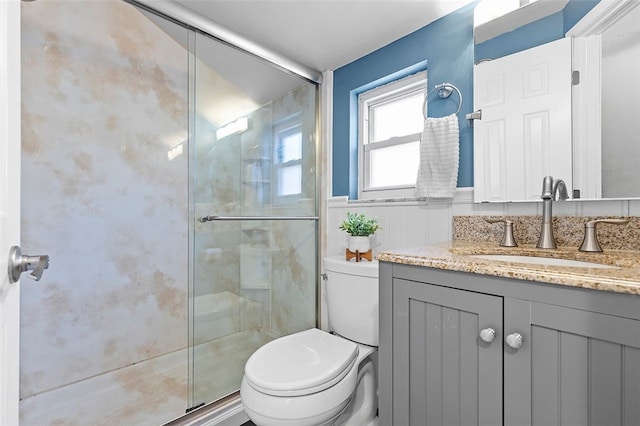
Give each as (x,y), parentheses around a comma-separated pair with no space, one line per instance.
(254,167)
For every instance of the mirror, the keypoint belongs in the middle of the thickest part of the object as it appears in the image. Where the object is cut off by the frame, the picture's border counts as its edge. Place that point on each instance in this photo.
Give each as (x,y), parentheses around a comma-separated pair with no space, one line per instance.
(605,155)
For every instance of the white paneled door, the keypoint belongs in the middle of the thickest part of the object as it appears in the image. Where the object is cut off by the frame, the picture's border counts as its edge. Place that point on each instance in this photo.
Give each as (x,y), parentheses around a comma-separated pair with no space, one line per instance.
(525,130)
(9,206)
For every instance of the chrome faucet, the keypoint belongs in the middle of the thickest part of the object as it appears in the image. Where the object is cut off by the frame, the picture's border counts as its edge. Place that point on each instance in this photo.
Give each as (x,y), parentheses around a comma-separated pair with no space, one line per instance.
(551,190)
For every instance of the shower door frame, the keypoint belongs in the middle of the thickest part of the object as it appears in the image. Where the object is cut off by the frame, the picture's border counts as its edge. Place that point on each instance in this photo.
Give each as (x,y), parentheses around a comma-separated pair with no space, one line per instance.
(185,17)
(222,404)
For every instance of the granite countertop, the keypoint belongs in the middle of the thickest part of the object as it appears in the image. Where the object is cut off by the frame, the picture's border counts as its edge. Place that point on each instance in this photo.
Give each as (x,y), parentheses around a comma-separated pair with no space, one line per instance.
(455,256)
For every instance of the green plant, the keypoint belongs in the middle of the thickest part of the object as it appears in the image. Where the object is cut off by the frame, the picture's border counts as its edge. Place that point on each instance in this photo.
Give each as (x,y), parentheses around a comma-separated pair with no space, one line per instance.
(359,225)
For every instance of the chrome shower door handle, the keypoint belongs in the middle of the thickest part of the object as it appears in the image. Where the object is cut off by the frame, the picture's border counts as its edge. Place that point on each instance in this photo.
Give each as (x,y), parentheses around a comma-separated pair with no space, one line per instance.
(19,263)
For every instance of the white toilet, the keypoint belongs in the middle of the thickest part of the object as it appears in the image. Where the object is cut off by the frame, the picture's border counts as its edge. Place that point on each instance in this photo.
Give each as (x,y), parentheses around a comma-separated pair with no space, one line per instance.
(316,378)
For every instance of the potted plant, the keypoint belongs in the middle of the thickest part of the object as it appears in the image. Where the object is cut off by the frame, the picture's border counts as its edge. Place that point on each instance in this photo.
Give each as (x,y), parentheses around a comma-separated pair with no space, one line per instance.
(359,227)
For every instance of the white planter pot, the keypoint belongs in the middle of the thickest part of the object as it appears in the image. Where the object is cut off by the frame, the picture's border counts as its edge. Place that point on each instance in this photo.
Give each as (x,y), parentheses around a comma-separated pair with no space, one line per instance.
(359,244)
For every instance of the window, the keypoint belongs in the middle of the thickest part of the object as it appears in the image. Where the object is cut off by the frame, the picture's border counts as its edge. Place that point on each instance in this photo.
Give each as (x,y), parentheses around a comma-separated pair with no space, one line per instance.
(390,126)
(287,162)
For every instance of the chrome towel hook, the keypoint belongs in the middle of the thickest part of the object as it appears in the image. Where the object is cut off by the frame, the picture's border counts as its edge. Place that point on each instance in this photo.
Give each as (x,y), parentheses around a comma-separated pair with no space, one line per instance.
(444,91)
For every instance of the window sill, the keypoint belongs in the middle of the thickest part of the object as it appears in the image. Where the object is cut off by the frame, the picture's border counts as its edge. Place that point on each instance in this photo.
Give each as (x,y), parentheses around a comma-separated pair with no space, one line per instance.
(462,195)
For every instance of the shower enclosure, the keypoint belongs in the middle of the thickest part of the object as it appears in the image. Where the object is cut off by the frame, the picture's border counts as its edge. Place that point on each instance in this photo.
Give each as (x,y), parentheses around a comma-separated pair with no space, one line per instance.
(171,178)
(254,197)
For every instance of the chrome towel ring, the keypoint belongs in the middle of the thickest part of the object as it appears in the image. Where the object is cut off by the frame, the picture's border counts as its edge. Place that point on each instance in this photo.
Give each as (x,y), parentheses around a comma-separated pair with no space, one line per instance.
(444,91)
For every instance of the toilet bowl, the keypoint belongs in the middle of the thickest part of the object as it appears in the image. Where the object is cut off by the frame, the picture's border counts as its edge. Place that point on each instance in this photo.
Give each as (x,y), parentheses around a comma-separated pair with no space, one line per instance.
(317,378)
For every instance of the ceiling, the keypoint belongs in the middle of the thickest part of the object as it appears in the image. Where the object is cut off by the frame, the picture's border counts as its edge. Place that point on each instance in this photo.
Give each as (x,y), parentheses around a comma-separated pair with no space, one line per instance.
(323,34)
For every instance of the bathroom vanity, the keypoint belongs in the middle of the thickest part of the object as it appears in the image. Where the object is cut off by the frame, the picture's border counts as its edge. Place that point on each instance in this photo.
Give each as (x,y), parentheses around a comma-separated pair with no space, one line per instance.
(465,340)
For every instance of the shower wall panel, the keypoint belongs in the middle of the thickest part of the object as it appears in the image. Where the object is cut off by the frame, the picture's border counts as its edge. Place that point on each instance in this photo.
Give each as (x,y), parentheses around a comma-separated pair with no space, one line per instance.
(294,244)
(104,184)
(271,265)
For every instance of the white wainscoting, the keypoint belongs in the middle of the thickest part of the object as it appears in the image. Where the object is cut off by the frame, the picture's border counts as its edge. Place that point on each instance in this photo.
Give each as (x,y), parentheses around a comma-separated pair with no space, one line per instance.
(414,223)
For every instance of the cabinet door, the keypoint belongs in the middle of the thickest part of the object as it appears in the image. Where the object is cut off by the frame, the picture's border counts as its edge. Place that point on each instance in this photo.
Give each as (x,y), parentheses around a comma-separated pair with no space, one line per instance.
(574,368)
(443,373)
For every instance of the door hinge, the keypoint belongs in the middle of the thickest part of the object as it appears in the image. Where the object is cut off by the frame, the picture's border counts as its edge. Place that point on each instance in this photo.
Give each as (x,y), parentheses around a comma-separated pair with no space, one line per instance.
(575,78)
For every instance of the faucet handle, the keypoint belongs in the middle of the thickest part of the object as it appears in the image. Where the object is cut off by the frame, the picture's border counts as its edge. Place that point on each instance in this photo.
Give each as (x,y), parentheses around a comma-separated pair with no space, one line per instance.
(590,241)
(508,239)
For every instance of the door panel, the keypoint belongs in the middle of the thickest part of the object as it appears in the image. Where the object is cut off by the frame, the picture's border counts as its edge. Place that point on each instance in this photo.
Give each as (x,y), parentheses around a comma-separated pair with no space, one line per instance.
(9,206)
(525,130)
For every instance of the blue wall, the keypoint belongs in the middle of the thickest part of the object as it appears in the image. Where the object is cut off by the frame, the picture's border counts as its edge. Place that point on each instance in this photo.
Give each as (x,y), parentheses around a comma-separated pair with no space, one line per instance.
(446,48)
(575,10)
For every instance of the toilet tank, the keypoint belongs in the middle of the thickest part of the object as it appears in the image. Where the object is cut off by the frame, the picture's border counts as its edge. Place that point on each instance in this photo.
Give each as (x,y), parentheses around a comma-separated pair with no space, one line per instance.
(352,298)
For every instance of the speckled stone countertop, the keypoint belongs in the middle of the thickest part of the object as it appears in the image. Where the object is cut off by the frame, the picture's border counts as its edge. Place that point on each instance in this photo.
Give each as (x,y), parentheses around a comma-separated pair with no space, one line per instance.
(456,256)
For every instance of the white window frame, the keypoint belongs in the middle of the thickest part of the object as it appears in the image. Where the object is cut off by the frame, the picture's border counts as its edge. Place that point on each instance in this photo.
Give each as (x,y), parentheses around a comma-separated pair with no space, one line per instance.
(281,131)
(390,92)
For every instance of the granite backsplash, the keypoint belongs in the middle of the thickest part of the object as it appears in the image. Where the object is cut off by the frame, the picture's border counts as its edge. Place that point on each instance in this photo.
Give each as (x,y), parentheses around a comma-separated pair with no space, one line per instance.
(568,230)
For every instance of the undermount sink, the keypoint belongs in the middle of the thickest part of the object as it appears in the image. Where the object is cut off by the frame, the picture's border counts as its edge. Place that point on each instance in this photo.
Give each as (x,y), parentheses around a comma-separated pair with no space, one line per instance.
(546,261)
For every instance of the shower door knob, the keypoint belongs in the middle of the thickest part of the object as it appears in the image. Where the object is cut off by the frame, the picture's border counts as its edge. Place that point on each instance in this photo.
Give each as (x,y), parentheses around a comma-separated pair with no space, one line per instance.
(19,263)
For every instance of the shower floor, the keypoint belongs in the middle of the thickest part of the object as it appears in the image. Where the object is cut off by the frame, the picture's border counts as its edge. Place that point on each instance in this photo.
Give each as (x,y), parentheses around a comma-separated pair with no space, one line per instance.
(151,392)
(215,379)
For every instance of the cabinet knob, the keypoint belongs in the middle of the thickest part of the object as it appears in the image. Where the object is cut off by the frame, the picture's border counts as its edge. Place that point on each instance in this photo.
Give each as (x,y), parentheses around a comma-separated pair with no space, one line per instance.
(487,334)
(514,340)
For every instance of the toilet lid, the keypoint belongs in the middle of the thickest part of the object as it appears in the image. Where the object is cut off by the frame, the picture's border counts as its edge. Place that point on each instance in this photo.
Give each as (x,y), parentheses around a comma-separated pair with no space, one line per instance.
(301,363)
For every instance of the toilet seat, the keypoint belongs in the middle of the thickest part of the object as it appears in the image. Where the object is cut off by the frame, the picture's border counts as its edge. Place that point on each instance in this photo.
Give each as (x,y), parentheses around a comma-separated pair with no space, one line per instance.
(300,364)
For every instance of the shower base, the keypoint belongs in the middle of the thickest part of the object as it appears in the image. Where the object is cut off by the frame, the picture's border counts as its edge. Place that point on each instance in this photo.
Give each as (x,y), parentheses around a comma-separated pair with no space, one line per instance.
(219,364)
(151,392)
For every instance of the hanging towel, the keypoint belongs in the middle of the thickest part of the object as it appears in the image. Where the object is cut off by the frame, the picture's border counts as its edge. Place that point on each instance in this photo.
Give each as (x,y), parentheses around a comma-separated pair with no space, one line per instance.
(439,153)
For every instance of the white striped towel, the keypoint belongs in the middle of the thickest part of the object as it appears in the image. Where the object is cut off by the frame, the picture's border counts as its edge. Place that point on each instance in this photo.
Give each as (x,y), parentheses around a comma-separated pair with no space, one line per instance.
(439,154)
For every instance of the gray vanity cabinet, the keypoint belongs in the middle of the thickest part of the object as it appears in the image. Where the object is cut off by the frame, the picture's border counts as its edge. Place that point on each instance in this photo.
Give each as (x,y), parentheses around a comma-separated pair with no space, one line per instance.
(443,373)
(578,362)
(575,367)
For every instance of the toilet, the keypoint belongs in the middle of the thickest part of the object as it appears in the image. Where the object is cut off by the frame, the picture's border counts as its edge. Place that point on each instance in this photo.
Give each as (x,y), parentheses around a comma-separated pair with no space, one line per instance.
(314,377)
